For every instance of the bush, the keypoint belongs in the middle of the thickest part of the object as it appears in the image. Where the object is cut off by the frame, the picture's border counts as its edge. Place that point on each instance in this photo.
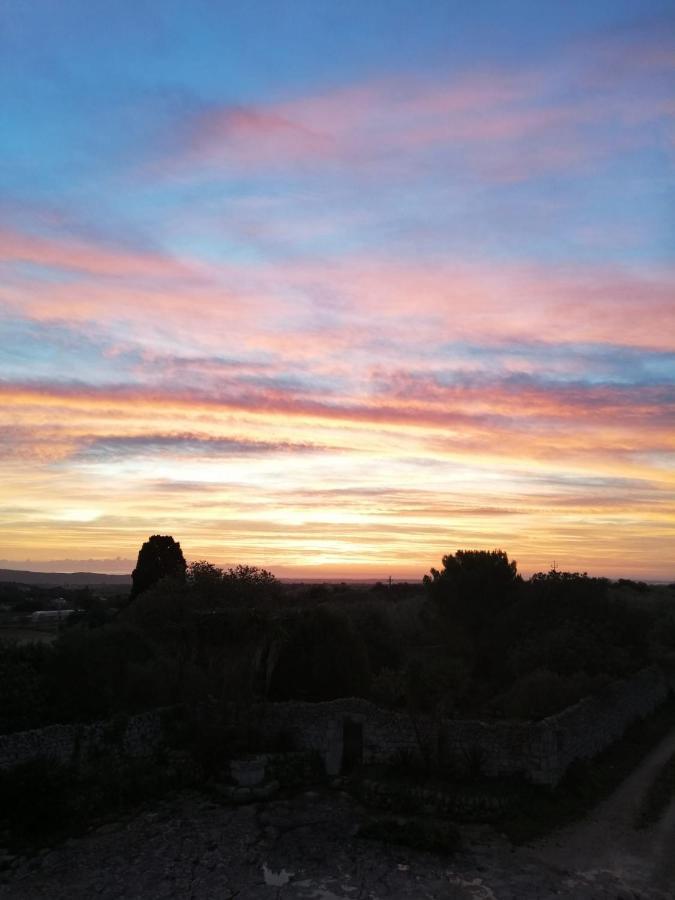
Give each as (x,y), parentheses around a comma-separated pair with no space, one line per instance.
(542,693)
(389,689)
(244,586)
(383,644)
(323,658)
(434,684)
(24,701)
(567,622)
(94,673)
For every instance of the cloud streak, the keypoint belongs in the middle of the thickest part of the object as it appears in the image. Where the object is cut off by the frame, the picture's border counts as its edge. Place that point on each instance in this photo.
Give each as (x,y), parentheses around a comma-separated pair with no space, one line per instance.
(506,124)
(341,313)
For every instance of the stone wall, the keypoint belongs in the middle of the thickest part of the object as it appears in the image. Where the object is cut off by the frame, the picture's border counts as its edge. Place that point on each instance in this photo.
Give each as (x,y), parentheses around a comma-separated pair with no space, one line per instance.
(386,735)
(293,768)
(539,751)
(356,730)
(500,748)
(586,729)
(133,736)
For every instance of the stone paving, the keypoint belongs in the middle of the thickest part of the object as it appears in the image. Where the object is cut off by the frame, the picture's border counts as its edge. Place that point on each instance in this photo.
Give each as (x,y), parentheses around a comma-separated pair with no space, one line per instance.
(302,847)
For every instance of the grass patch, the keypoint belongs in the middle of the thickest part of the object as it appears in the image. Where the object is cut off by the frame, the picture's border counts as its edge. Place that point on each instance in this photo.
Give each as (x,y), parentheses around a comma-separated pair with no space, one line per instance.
(416,832)
(587,782)
(661,792)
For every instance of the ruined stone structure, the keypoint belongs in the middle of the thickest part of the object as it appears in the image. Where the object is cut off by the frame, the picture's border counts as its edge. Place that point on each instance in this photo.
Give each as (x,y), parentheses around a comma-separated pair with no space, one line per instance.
(351,731)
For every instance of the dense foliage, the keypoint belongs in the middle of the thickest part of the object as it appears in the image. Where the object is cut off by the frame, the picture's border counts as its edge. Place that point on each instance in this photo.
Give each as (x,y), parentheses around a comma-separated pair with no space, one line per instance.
(472,587)
(159,557)
(473,639)
(322,658)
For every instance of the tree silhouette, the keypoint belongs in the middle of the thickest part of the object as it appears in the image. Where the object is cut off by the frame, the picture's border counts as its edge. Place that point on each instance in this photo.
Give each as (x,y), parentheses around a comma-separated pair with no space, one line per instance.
(159,557)
(472,586)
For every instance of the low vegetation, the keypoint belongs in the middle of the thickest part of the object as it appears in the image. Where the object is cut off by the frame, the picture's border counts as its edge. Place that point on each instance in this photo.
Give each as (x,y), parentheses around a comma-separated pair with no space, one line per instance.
(474,639)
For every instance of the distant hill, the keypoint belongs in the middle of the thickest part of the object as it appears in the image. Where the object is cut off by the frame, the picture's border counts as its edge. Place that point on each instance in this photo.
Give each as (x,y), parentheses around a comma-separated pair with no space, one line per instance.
(20,576)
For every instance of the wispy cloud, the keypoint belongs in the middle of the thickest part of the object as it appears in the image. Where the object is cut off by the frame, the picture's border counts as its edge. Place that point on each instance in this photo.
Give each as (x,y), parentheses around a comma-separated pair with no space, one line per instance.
(90,258)
(505,123)
(318,314)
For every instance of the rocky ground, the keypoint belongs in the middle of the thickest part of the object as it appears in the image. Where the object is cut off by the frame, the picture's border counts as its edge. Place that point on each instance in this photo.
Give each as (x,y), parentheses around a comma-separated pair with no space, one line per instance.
(306,846)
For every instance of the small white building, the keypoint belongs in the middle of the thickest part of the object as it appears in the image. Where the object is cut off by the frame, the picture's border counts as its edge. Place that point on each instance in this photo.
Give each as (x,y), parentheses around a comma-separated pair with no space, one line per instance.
(43,616)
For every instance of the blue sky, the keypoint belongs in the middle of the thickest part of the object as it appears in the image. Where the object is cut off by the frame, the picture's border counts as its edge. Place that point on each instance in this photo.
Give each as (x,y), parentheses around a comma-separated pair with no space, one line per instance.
(281,248)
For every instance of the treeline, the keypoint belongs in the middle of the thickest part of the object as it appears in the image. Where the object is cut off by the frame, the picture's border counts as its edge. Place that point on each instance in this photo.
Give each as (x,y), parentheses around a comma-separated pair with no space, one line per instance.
(474,639)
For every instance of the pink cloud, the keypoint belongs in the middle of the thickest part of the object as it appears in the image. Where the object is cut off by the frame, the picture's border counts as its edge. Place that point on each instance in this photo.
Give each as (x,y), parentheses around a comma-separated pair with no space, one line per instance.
(320,313)
(362,125)
(475,412)
(89,258)
(506,124)
(418,304)
(258,135)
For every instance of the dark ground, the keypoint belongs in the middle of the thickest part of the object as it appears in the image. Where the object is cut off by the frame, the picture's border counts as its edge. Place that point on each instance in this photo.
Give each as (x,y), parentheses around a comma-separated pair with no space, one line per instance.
(306,846)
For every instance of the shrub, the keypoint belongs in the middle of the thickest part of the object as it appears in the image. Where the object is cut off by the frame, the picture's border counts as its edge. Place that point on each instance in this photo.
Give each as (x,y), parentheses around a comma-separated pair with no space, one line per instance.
(322,659)
(23,697)
(383,644)
(389,689)
(542,693)
(92,672)
(434,684)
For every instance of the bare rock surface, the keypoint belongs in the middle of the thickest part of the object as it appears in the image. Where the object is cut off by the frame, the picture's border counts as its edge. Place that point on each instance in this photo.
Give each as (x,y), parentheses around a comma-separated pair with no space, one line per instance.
(305,847)
(299,847)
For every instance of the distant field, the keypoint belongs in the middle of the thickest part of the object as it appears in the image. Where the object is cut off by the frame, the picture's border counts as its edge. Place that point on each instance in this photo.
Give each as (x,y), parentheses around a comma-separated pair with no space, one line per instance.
(69,579)
(27,635)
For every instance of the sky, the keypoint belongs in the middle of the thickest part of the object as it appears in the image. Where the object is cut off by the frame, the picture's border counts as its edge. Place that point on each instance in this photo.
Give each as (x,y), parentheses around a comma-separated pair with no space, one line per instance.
(337,288)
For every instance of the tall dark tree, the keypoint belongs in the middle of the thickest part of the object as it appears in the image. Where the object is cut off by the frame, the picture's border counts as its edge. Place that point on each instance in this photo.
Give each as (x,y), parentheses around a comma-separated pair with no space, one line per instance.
(472,586)
(159,557)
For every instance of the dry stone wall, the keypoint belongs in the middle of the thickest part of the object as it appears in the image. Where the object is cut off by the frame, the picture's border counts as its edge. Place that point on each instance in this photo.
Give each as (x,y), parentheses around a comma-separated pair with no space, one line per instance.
(539,751)
(586,729)
(354,730)
(387,735)
(134,736)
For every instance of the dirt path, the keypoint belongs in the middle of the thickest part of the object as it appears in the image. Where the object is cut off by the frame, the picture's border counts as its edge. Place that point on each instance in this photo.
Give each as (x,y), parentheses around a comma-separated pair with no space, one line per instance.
(607,840)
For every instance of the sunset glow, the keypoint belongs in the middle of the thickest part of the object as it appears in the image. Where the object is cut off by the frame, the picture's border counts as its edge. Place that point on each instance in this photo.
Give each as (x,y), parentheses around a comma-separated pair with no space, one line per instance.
(337,288)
